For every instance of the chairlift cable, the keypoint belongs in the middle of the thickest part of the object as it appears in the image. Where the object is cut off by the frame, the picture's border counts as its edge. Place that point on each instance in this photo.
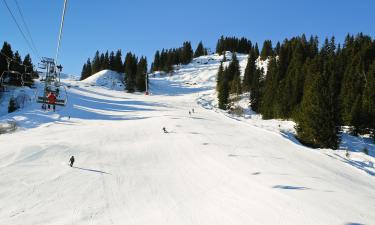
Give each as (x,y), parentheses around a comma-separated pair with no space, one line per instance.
(19,28)
(27,28)
(61,31)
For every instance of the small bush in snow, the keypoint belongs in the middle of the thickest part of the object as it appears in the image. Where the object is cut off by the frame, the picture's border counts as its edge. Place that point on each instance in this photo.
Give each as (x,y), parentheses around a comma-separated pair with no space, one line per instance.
(10,127)
(237,110)
(365,150)
(12,105)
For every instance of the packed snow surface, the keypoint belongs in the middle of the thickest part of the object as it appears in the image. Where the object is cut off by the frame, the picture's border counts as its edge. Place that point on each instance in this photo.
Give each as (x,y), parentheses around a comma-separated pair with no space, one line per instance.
(210,168)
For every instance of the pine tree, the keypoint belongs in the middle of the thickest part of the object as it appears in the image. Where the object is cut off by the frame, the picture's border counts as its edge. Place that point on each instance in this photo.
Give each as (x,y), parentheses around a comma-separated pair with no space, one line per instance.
(96,63)
(156,63)
(255,90)
(106,61)
(88,68)
(256,50)
(233,75)
(28,68)
(6,52)
(102,62)
(249,71)
(16,63)
(130,71)
(12,105)
(200,50)
(266,50)
(141,75)
(220,76)
(112,61)
(219,46)
(223,92)
(84,72)
(271,85)
(118,62)
(316,126)
(187,53)
(368,100)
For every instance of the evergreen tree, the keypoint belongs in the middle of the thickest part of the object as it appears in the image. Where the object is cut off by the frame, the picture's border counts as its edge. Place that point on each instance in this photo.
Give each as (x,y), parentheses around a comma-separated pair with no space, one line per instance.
(96,63)
(233,75)
(316,126)
(255,90)
(6,52)
(141,74)
(130,71)
(277,48)
(187,53)
(12,105)
(118,62)
(156,63)
(102,62)
(249,71)
(223,92)
(16,63)
(267,50)
(200,50)
(368,99)
(220,76)
(106,61)
(84,72)
(256,50)
(28,68)
(112,61)
(271,85)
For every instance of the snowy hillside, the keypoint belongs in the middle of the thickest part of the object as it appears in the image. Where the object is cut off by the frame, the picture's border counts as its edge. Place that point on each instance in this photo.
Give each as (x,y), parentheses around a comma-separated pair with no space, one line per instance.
(106,78)
(210,168)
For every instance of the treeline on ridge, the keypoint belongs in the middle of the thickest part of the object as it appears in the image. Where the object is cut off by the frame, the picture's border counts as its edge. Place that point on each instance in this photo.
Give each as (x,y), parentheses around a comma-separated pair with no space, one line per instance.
(321,88)
(135,69)
(165,59)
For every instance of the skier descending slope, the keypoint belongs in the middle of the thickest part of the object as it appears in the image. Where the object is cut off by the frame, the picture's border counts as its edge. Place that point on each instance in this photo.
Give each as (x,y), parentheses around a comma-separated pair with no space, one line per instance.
(71,161)
(165,130)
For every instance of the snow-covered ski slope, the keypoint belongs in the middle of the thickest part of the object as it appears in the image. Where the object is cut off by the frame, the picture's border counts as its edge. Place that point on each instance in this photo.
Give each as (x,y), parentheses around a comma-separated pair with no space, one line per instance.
(209,169)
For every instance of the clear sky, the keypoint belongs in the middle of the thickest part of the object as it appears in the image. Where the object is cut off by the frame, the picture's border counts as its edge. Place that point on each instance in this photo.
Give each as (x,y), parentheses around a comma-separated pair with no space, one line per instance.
(143,26)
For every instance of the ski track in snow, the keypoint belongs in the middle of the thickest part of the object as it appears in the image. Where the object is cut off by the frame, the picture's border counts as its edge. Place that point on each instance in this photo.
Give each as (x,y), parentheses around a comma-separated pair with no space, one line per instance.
(211,168)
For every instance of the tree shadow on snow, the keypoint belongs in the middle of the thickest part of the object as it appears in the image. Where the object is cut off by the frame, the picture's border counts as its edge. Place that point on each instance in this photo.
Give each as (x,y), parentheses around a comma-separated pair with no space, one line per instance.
(91,170)
(287,187)
(83,105)
(358,164)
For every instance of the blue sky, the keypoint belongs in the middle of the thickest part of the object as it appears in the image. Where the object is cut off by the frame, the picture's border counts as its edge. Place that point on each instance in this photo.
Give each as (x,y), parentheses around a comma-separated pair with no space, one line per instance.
(144,26)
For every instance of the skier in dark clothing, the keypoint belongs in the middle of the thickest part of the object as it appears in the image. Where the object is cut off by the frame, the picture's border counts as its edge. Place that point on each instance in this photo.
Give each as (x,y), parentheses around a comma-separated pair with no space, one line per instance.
(165,130)
(71,161)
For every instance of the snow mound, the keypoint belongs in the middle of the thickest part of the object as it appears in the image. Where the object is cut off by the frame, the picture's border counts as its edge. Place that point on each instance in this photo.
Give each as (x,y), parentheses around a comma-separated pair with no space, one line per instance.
(106,78)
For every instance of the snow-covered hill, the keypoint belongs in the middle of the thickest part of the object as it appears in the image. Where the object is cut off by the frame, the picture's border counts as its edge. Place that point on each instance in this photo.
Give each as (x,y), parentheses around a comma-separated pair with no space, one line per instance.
(106,78)
(211,168)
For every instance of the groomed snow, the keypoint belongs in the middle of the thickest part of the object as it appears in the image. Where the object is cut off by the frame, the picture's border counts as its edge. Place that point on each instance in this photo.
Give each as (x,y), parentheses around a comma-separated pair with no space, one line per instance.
(211,168)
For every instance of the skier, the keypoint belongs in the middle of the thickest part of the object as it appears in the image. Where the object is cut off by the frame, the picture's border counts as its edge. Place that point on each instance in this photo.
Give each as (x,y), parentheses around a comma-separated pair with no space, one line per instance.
(71,161)
(51,101)
(189,113)
(165,130)
(192,110)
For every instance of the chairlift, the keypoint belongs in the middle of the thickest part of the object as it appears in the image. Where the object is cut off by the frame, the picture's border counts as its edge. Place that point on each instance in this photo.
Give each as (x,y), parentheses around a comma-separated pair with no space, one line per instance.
(11,78)
(60,93)
(28,79)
